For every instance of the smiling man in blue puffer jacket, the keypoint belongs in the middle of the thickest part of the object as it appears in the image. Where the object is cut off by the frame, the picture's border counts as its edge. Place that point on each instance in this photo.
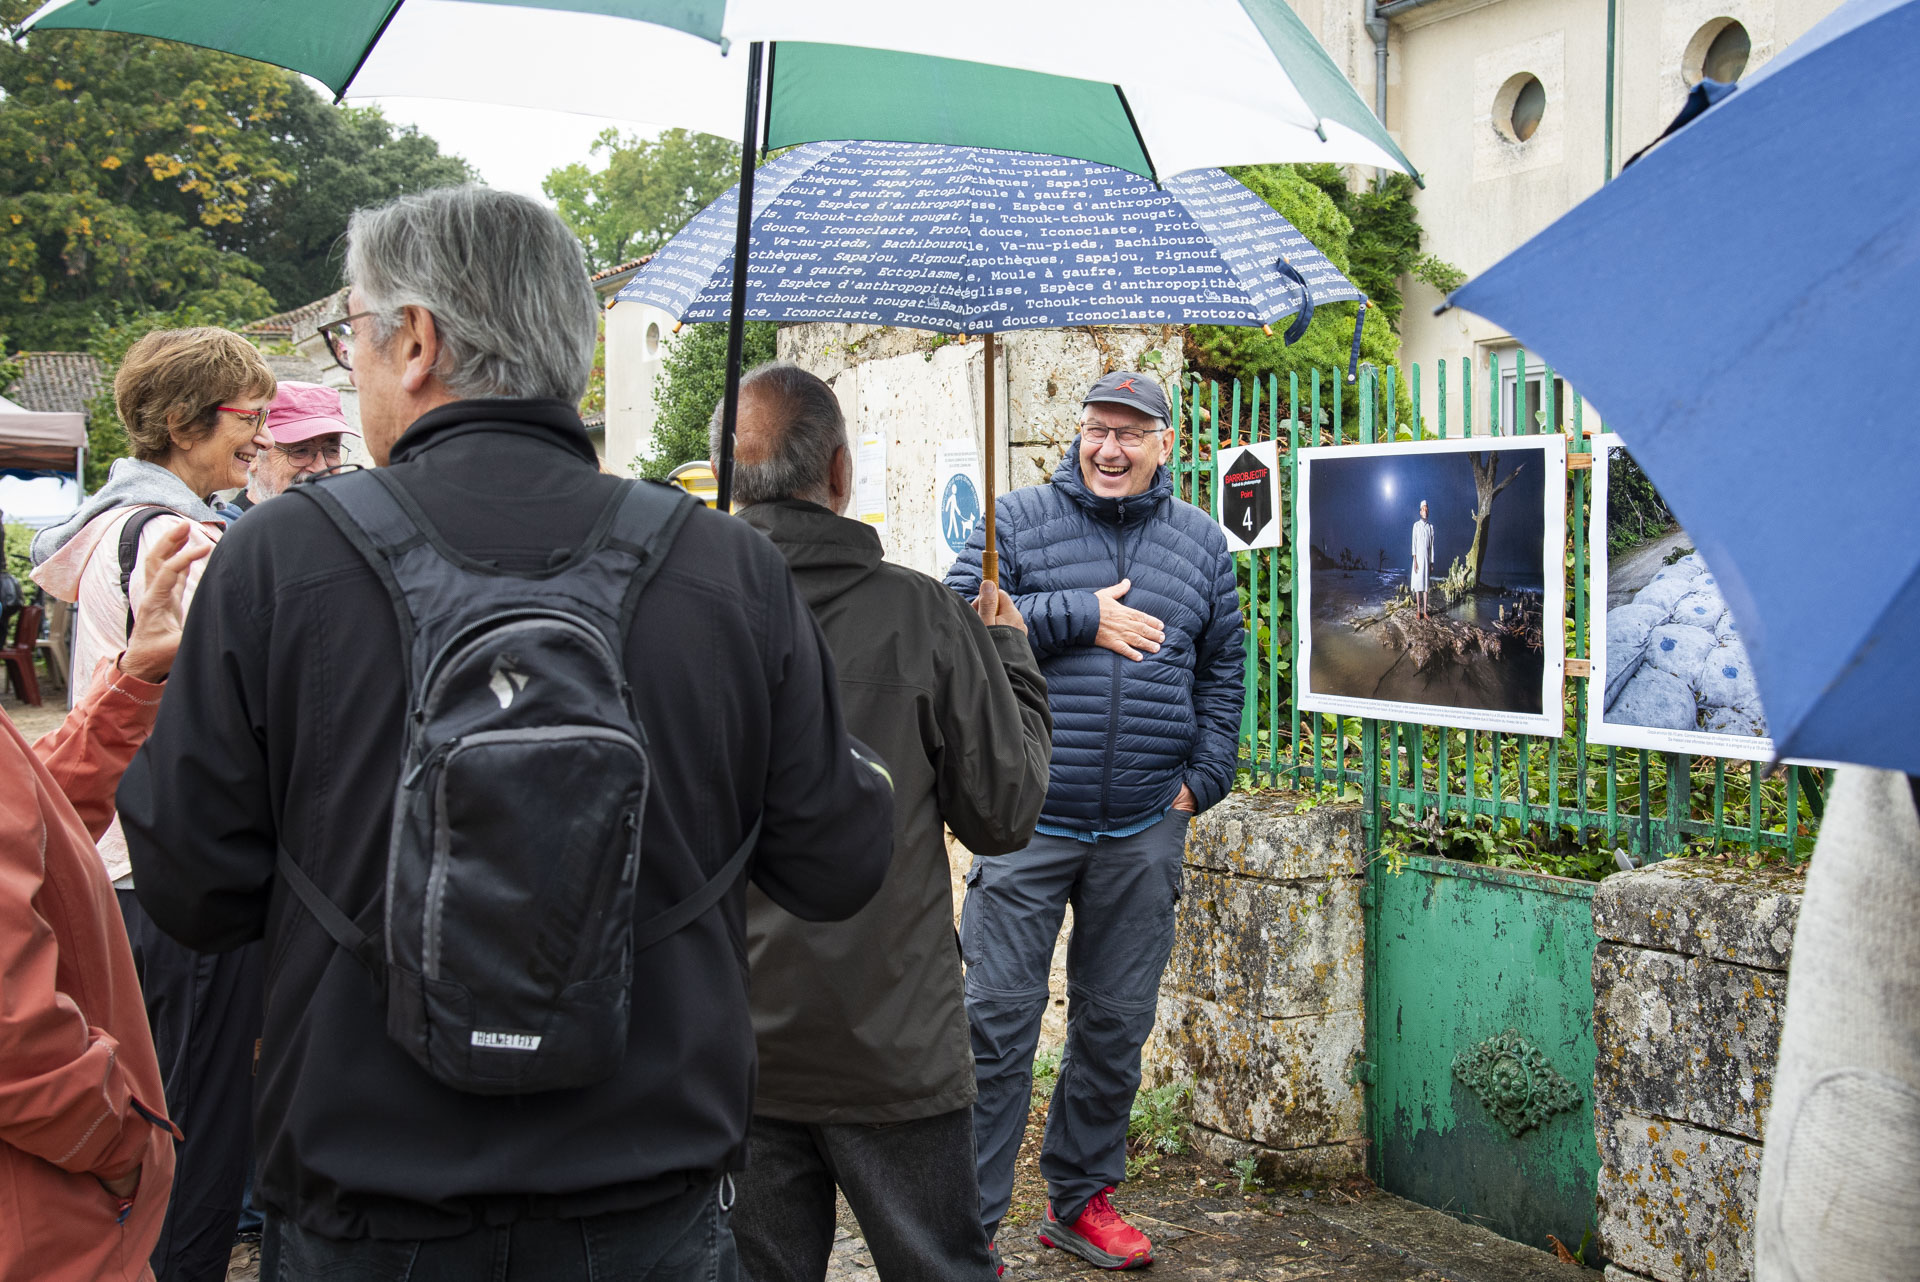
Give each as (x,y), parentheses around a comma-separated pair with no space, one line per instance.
(1130,604)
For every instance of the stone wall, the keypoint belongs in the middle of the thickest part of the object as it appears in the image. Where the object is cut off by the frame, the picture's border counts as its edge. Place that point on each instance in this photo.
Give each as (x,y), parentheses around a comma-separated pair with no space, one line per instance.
(1690,983)
(1261,1006)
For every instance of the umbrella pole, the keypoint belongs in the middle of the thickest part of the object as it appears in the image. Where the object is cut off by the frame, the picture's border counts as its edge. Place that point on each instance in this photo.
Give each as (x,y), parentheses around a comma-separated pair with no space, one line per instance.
(736,316)
(990,552)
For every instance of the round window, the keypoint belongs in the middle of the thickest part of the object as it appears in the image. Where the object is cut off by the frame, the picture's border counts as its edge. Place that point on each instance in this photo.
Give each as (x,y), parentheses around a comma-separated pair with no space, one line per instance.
(653,339)
(1718,51)
(1519,106)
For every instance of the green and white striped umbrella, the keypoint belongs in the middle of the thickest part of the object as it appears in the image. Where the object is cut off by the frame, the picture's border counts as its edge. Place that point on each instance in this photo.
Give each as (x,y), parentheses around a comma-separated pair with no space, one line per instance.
(1139,84)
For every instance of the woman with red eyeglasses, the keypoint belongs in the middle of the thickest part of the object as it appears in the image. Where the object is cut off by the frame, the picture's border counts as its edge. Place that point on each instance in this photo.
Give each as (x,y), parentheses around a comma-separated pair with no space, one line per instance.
(193,403)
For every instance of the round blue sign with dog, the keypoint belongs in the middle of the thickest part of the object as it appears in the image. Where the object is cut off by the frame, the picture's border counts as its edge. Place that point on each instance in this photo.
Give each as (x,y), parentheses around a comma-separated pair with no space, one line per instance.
(959,510)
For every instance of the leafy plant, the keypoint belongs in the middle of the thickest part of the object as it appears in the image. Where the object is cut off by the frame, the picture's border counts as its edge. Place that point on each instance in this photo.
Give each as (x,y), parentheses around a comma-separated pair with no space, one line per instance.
(1441,275)
(18,563)
(1246,1172)
(1635,510)
(1157,1124)
(1046,1070)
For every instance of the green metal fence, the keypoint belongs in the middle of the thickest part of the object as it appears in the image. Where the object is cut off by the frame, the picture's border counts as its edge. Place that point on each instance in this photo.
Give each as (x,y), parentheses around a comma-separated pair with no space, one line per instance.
(1428,780)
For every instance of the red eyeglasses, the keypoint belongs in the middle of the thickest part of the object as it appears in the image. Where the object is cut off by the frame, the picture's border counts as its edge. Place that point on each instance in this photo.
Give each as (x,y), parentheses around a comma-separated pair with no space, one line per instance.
(253,418)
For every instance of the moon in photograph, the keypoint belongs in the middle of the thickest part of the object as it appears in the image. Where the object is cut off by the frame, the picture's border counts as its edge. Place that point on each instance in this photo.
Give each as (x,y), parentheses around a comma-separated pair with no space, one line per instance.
(1386,487)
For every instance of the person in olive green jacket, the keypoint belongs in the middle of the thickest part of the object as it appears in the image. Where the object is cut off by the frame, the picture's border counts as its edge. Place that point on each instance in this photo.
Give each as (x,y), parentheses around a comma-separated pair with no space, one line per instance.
(866,1070)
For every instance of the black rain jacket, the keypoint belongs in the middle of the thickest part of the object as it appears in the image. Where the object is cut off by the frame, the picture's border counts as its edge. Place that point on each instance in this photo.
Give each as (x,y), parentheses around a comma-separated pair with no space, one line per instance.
(864,1020)
(282,722)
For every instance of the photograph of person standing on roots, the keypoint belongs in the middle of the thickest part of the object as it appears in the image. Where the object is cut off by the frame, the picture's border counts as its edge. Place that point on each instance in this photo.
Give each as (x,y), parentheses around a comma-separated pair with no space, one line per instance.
(1434,590)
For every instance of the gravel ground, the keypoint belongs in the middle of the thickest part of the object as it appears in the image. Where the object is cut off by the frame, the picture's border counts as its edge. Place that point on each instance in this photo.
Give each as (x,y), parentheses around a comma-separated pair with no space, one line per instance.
(34,722)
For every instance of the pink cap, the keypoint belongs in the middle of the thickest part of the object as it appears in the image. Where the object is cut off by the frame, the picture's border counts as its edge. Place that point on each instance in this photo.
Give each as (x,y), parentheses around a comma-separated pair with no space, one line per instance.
(302,411)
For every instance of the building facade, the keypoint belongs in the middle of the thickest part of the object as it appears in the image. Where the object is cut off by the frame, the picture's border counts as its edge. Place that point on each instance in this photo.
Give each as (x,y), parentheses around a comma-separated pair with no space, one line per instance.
(1517,110)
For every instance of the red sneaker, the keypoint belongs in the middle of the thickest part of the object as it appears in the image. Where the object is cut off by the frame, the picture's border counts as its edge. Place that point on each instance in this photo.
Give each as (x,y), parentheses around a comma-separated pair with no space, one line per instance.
(993,1256)
(1099,1236)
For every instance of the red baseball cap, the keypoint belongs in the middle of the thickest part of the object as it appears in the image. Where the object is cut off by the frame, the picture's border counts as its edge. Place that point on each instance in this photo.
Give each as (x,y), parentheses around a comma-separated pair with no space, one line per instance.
(302,411)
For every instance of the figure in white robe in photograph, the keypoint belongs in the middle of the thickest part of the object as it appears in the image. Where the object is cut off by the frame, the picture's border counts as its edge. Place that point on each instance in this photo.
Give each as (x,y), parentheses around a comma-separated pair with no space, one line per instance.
(1422,561)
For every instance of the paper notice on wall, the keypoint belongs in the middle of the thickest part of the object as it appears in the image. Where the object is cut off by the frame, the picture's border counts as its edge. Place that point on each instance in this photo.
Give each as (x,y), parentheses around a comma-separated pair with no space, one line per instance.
(870,481)
(957,494)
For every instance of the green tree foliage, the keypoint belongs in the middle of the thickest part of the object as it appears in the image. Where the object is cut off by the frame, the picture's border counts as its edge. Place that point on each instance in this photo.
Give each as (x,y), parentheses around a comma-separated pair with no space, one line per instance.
(120,160)
(147,175)
(1227,352)
(646,191)
(345,158)
(693,378)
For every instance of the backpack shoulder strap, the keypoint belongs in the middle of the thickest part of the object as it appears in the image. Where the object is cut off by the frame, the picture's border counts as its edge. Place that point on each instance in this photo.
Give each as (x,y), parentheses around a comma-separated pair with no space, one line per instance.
(332,918)
(645,524)
(370,512)
(130,551)
(681,915)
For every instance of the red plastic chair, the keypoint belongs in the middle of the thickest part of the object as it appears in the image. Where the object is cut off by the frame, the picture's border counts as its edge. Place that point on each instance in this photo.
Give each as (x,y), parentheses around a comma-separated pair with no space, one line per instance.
(19,656)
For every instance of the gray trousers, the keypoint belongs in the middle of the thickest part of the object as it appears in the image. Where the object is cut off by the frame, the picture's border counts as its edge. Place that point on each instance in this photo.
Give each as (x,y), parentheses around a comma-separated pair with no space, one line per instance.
(1123,891)
(910,1185)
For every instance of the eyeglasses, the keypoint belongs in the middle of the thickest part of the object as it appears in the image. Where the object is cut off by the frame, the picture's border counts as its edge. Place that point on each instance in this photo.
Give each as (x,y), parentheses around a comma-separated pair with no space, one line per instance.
(252,418)
(303,453)
(337,334)
(1129,437)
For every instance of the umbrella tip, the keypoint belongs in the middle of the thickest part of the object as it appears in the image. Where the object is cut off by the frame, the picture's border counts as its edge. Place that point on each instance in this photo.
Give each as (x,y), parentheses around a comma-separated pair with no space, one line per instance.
(1446,305)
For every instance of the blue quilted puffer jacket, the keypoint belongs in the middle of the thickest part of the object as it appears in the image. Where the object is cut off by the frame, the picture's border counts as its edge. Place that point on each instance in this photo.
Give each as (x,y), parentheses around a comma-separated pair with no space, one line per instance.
(1126,734)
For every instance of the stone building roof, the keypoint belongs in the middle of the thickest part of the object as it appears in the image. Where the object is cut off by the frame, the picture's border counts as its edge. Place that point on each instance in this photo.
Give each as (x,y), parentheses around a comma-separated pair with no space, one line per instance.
(608,282)
(299,323)
(56,382)
(295,368)
(632,264)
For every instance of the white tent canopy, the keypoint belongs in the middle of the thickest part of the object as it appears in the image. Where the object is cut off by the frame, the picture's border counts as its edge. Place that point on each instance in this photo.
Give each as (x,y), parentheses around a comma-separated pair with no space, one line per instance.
(41,442)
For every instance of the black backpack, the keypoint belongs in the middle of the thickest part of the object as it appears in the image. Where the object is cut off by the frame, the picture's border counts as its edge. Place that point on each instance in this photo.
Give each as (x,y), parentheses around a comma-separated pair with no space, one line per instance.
(507,953)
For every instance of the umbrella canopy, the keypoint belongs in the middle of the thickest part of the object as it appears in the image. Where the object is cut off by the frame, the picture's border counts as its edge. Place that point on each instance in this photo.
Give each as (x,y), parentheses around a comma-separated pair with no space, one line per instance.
(1721,303)
(967,240)
(1244,82)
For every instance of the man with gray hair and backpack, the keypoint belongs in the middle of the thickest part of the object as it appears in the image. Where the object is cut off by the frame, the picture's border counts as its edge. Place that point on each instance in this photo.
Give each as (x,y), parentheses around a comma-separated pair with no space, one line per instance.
(506,1027)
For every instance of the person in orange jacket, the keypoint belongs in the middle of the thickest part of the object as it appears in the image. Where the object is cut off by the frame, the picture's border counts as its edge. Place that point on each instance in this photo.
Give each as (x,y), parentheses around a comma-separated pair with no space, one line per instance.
(86,1151)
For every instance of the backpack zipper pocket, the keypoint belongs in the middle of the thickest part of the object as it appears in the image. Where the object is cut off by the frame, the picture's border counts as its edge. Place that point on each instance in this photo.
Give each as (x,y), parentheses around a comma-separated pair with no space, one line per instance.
(439,766)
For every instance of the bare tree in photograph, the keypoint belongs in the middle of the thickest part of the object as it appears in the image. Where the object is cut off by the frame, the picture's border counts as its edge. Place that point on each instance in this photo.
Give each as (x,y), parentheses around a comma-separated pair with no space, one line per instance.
(1485,468)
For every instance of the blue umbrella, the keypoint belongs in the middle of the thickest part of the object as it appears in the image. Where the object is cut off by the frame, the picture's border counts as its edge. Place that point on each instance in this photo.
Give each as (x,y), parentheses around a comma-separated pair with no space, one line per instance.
(1722,303)
(971,241)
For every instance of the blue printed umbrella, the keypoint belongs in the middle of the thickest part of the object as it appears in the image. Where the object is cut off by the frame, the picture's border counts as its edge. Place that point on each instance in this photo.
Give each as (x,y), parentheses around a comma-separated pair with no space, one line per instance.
(973,241)
(1722,303)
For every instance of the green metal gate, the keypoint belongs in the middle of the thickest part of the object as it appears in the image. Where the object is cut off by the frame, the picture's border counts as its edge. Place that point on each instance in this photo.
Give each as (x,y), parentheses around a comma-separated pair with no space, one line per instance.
(1479,981)
(1480,1058)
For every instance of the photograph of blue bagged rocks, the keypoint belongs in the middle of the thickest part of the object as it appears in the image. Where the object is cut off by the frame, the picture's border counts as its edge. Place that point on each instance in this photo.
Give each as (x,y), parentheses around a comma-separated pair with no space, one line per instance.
(1670,672)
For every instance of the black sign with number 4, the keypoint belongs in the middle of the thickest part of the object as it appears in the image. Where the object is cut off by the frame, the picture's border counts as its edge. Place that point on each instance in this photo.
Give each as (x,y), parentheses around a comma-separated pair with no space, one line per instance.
(1247,500)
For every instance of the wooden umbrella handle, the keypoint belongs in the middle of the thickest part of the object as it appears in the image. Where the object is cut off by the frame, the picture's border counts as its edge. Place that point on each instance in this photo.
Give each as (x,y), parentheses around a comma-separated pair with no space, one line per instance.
(990,553)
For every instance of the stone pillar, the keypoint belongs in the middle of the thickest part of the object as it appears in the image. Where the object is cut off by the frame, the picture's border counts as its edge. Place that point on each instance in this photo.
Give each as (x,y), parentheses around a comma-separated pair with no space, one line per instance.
(1261,1006)
(1690,984)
